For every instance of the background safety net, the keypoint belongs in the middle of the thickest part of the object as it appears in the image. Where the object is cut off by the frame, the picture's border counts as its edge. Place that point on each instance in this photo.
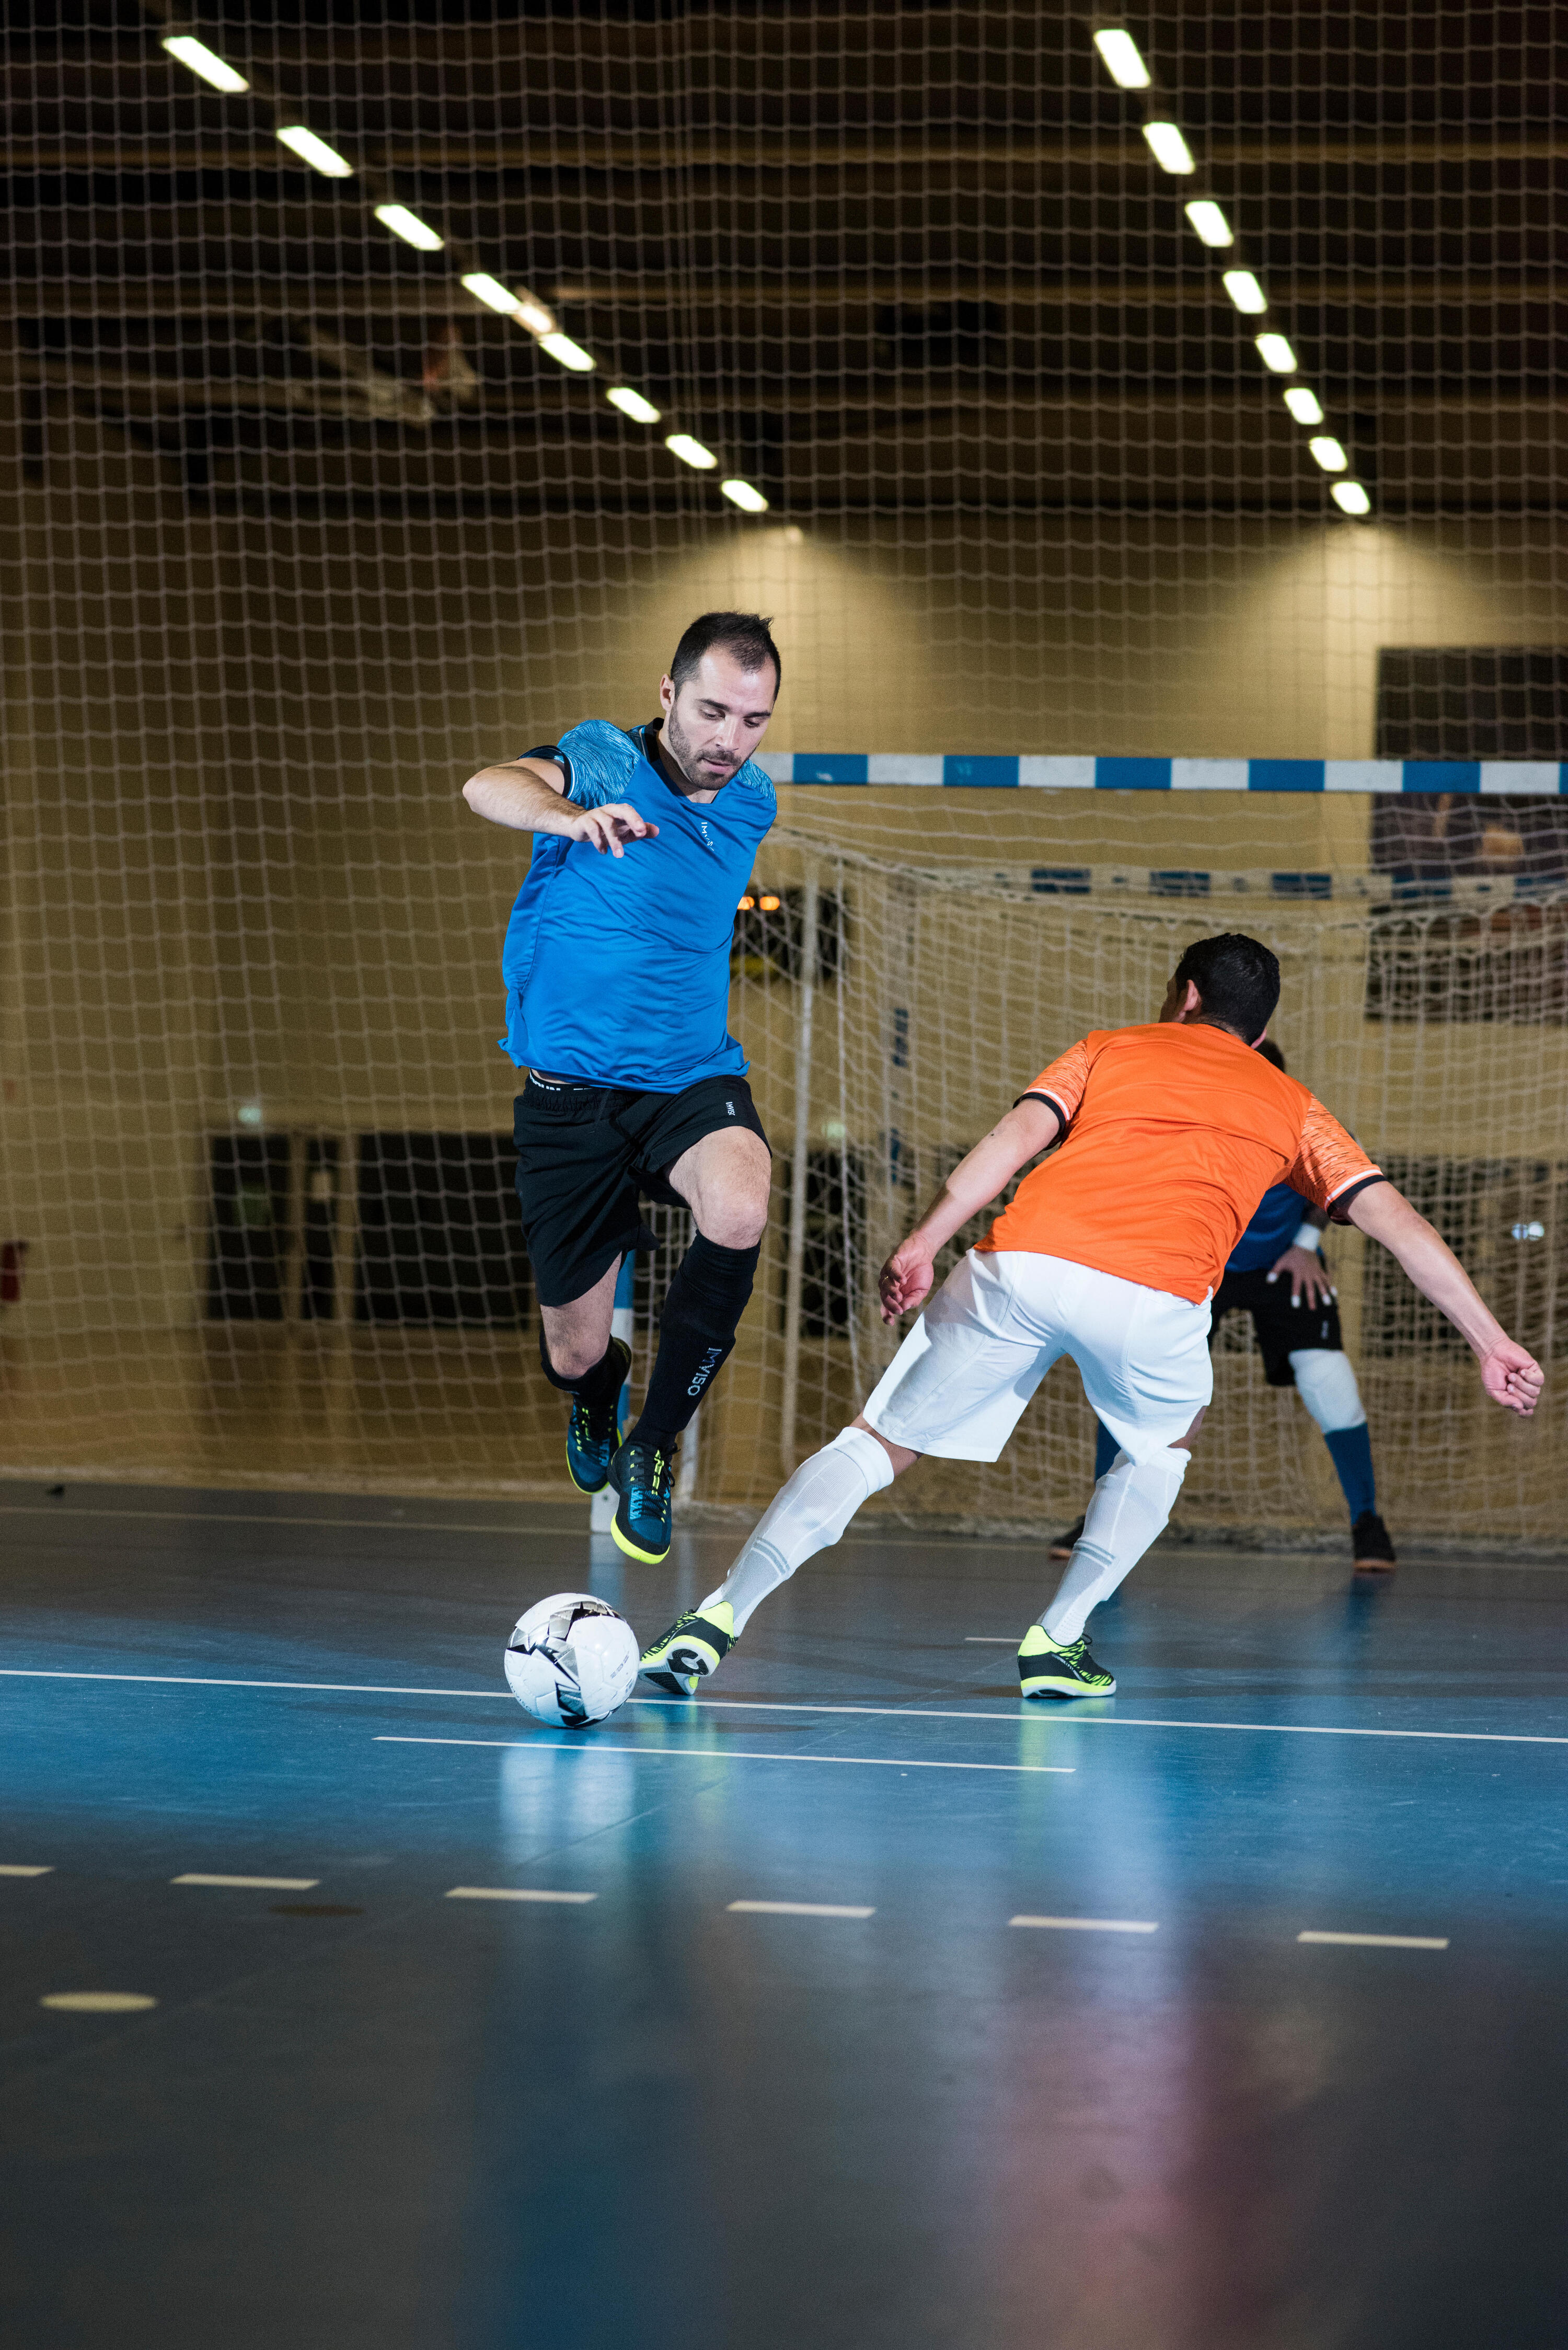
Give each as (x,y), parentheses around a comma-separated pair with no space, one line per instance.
(382,391)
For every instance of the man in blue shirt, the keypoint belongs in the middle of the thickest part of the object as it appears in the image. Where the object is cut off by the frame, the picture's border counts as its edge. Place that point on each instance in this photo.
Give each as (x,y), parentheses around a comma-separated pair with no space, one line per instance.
(616,965)
(1276,1274)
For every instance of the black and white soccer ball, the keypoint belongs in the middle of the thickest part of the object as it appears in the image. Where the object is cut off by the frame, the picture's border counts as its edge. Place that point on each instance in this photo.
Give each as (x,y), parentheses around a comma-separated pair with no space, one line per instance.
(571,1661)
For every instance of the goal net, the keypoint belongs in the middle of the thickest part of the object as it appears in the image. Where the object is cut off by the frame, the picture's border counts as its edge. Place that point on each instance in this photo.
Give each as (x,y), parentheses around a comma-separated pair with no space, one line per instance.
(380,393)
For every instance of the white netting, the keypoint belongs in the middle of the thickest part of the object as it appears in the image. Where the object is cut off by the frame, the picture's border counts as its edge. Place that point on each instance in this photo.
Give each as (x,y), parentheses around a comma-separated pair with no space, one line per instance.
(300,532)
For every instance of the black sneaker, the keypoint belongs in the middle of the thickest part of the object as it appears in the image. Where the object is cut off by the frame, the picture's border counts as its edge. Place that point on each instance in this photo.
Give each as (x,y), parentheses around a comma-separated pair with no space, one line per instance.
(592,1432)
(640,1475)
(1370,1547)
(1062,1546)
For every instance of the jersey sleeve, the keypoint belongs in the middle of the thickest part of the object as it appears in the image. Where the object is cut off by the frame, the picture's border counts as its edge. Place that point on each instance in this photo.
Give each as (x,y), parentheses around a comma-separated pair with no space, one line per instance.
(598,760)
(1062,1083)
(1331,1166)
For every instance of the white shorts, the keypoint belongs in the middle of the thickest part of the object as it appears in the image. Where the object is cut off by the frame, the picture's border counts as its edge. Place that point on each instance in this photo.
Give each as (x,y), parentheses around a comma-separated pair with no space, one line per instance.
(961,1377)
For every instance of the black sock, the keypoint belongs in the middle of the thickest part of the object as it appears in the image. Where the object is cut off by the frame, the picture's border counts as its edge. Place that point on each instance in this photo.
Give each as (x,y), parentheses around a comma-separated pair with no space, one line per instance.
(696,1336)
(599,1384)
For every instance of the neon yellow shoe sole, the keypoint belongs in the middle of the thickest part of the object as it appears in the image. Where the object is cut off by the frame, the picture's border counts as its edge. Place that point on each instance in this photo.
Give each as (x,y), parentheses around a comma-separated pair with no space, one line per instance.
(1046,1669)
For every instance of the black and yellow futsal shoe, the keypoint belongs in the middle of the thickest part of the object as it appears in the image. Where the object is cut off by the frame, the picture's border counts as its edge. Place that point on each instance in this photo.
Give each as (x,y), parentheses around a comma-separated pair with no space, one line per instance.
(592,1432)
(640,1475)
(1044,1669)
(695,1646)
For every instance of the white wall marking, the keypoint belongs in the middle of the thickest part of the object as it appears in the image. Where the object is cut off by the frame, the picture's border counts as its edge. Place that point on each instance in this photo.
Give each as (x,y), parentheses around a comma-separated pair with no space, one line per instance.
(799,1909)
(1092,1925)
(512,1893)
(250,1884)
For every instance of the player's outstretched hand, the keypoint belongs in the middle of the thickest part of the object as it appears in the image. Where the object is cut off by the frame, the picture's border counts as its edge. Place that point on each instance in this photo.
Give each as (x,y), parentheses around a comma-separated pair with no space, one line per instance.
(1512,1378)
(1308,1277)
(904,1281)
(608,828)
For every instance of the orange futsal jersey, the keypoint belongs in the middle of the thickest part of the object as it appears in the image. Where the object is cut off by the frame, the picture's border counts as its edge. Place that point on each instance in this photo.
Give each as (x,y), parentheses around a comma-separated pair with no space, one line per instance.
(1174,1134)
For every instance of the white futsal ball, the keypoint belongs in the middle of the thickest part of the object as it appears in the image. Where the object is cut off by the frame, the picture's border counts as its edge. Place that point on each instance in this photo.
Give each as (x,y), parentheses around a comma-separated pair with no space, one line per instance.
(571,1661)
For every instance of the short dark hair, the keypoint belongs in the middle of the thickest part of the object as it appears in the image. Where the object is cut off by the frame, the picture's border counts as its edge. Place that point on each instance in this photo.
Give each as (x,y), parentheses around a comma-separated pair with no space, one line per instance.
(747,636)
(1271,1053)
(1237,978)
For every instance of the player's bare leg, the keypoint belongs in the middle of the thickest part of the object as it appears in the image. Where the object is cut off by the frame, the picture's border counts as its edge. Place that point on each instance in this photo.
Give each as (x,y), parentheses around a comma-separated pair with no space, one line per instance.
(581,1359)
(723,1178)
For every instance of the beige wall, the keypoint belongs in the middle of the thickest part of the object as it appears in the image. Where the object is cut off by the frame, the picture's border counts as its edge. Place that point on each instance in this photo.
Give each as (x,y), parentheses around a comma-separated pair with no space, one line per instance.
(237,871)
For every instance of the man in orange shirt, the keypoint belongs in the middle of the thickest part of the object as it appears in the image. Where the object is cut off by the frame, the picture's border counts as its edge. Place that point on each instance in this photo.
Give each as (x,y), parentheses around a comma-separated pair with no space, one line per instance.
(1109,1252)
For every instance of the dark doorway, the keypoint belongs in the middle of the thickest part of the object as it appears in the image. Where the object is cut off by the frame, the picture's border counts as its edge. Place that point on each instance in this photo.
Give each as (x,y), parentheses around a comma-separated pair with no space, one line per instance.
(247,1238)
(318,1231)
(441,1243)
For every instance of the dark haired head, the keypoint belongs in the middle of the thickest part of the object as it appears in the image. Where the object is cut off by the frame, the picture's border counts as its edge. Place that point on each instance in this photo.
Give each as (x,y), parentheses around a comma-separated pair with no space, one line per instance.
(1271,1053)
(746,637)
(1238,980)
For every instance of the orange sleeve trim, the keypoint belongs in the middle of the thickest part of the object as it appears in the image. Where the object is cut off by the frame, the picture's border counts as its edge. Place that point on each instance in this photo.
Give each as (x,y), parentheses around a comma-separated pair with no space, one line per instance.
(1038,1092)
(1350,1189)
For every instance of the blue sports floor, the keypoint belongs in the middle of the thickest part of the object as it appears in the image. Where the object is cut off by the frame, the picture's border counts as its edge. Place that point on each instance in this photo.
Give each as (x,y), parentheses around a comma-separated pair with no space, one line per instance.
(1044,2061)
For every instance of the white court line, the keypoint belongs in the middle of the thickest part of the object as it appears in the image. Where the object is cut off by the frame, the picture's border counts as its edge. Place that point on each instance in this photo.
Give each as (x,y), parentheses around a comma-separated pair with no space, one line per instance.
(21,1868)
(988,1640)
(708,1754)
(760,1705)
(1384,1941)
(798,1910)
(512,1893)
(251,1884)
(1093,1925)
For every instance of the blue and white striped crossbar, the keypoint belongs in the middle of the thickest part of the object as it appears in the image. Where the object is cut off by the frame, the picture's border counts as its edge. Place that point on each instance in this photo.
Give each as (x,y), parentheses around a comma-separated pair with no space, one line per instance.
(1091,774)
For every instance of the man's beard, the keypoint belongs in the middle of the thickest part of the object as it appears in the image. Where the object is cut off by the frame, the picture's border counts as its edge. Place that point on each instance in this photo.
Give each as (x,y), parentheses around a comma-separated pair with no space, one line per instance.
(683,756)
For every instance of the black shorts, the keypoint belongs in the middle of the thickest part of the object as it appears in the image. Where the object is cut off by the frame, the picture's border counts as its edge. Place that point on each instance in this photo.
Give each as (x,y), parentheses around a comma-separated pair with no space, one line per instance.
(1281,1328)
(583,1155)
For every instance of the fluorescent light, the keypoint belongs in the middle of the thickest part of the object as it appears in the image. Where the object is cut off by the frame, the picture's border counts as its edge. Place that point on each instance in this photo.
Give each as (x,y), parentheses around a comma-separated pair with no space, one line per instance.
(1276,354)
(741,494)
(1351,498)
(1209,222)
(535,316)
(1328,452)
(1167,147)
(632,403)
(201,59)
(567,354)
(690,451)
(316,151)
(491,291)
(1245,292)
(410,227)
(1119,51)
(1304,404)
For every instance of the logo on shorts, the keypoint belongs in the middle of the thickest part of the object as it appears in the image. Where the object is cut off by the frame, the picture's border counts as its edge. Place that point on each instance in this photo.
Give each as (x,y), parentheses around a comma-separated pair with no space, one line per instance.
(731,1107)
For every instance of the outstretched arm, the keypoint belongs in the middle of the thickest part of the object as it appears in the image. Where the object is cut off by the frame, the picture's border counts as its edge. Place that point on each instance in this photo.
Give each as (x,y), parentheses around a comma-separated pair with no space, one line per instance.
(529,796)
(1028,1129)
(1510,1376)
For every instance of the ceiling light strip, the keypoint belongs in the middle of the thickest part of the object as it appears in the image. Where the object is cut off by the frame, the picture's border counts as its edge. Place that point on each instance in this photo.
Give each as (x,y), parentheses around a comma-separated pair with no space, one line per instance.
(1125,62)
(520,306)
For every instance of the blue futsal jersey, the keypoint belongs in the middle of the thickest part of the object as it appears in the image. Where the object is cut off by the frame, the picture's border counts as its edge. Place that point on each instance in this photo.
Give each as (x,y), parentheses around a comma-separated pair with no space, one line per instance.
(617,968)
(1272,1229)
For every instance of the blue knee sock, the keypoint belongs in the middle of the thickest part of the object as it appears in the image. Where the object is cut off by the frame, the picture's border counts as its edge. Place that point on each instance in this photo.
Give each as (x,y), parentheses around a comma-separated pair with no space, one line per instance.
(1106,1449)
(1351,1450)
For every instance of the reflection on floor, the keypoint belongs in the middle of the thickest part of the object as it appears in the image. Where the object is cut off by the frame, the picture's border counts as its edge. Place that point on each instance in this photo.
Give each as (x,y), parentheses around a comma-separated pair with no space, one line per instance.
(887,2013)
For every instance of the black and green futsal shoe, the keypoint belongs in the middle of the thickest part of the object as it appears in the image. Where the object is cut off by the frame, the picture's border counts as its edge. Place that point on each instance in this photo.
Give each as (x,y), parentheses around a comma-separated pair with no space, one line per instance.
(695,1646)
(592,1432)
(640,1475)
(1048,1670)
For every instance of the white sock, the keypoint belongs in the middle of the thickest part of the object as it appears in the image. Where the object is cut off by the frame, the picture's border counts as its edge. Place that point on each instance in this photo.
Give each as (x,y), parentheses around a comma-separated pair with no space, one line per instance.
(805,1516)
(1327,1385)
(1127,1509)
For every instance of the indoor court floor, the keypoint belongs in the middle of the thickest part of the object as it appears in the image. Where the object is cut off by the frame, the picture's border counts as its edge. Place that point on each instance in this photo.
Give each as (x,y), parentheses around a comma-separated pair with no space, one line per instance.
(856,2006)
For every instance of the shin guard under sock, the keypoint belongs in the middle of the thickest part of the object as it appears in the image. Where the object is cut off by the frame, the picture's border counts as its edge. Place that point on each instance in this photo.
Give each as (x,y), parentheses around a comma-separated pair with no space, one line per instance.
(1128,1508)
(696,1336)
(806,1515)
